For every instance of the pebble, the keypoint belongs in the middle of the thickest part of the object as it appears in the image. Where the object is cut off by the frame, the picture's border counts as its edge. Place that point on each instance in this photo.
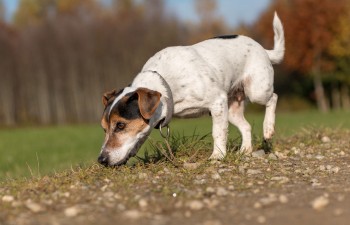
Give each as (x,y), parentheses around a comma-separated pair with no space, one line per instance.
(272,156)
(216,176)
(282,180)
(319,157)
(283,199)
(325,139)
(280,155)
(133,214)
(212,222)
(210,190)
(195,205)
(258,154)
(320,202)
(338,212)
(34,207)
(7,198)
(72,211)
(253,172)
(261,219)
(191,166)
(335,169)
(143,176)
(221,191)
(143,203)
(211,203)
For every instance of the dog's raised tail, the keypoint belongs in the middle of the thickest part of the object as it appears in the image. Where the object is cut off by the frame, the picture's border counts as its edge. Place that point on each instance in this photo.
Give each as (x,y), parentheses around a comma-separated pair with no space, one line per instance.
(276,55)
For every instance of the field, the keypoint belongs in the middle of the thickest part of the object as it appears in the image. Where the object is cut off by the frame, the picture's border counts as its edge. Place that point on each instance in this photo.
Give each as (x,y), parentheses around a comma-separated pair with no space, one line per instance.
(49,176)
(35,151)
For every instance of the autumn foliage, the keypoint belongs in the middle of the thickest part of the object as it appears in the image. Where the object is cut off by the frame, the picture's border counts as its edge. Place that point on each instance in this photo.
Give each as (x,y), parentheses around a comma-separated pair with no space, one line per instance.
(57,57)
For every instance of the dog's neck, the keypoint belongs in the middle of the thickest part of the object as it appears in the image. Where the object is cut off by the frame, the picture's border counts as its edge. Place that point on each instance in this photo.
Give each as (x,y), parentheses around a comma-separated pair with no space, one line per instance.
(154,81)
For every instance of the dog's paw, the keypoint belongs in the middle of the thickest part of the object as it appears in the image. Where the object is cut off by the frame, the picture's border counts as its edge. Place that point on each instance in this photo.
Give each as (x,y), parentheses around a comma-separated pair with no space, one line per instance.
(245,150)
(217,156)
(269,130)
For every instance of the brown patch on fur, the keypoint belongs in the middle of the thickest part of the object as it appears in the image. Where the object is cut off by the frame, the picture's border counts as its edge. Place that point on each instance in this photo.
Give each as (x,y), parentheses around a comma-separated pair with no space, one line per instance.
(114,139)
(109,97)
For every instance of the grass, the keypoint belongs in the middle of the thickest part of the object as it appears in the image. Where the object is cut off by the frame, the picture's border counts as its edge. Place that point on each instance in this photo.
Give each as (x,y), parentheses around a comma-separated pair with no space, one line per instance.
(37,151)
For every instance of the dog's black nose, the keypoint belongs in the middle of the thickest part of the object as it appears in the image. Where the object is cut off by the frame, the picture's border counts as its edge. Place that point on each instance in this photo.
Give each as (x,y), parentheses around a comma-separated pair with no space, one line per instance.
(103,160)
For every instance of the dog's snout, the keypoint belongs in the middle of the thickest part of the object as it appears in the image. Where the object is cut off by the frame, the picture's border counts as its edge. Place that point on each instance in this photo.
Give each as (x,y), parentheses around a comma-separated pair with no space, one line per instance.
(103,159)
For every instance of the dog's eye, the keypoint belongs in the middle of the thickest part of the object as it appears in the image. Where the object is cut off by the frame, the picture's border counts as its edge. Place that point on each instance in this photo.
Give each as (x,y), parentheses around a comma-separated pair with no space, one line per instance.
(119,126)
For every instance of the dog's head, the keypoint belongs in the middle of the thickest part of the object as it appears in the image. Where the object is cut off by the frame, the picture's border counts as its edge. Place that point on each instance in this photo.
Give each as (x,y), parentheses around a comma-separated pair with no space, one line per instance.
(126,122)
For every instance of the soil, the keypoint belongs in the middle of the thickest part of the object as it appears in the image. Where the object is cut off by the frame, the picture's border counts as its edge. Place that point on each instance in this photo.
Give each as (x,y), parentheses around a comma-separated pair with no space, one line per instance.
(304,180)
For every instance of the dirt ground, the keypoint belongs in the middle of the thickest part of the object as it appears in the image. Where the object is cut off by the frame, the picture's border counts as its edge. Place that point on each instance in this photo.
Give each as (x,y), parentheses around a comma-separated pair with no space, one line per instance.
(305,180)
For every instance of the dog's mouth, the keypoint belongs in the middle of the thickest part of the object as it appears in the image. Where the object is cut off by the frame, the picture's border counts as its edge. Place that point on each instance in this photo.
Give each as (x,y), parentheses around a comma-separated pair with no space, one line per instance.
(132,152)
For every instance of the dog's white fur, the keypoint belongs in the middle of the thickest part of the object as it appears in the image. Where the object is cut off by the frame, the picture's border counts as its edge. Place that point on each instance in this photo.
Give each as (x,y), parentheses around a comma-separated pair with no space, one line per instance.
(206,77)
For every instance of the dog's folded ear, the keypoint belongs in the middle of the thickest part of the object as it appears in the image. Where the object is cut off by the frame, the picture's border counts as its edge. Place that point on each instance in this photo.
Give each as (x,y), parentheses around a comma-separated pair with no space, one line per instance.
(148,101)
(109,97)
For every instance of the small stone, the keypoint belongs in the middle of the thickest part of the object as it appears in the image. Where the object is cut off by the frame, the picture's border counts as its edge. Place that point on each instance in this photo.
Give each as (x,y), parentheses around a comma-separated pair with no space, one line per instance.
(143,203)
(258,154)
(261,219)
(210,190)
(212,222)
(281,180)
(268,200)
(319,157)
(216,176)
(195,205)
(7,198)
(335,169)
(16,204)
(72,211)
(221,191)
(188,214)
(103,188)
(328,167)
(280,155)
(338,212)
(34,207)
(272,156)
(143,176)
(108,194)
(283,199)
(325,139)
(322,167)
(253,172)
(342,153)
(257,205)
(320,202)
(241,169)
(117,196)
(191,166)
(211,203)
(133,214)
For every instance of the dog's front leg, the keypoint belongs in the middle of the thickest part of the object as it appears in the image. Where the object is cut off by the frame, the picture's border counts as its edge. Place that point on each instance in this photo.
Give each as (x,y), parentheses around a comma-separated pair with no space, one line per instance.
(219,113)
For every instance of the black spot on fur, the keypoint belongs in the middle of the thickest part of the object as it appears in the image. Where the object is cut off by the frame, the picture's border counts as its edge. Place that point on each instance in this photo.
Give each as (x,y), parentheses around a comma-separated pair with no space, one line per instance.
(128,109)
(226,37)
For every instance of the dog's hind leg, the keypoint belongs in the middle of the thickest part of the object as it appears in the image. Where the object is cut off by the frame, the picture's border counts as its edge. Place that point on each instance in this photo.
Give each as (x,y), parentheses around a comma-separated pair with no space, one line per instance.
(269,120)
(259,89)
(219,113)
(236,117)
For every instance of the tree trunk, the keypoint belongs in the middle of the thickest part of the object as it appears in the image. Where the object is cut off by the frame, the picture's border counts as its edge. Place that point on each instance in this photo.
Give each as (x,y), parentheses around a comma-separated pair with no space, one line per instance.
(336,103)
(320,94)
(345,97)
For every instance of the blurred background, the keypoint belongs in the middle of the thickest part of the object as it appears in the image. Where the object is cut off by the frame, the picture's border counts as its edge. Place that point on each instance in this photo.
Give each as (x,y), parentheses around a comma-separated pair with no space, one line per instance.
(57,57)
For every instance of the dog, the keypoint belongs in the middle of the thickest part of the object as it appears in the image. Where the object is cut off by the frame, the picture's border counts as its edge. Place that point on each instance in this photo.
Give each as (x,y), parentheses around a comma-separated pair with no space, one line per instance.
(213,76)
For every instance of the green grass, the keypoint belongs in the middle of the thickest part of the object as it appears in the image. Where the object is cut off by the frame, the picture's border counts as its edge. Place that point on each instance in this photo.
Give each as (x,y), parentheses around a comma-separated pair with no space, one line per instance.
(35,151)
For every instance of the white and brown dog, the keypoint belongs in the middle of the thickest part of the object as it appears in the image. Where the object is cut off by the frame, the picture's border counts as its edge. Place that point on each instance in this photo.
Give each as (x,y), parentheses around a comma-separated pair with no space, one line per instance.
(214,76)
